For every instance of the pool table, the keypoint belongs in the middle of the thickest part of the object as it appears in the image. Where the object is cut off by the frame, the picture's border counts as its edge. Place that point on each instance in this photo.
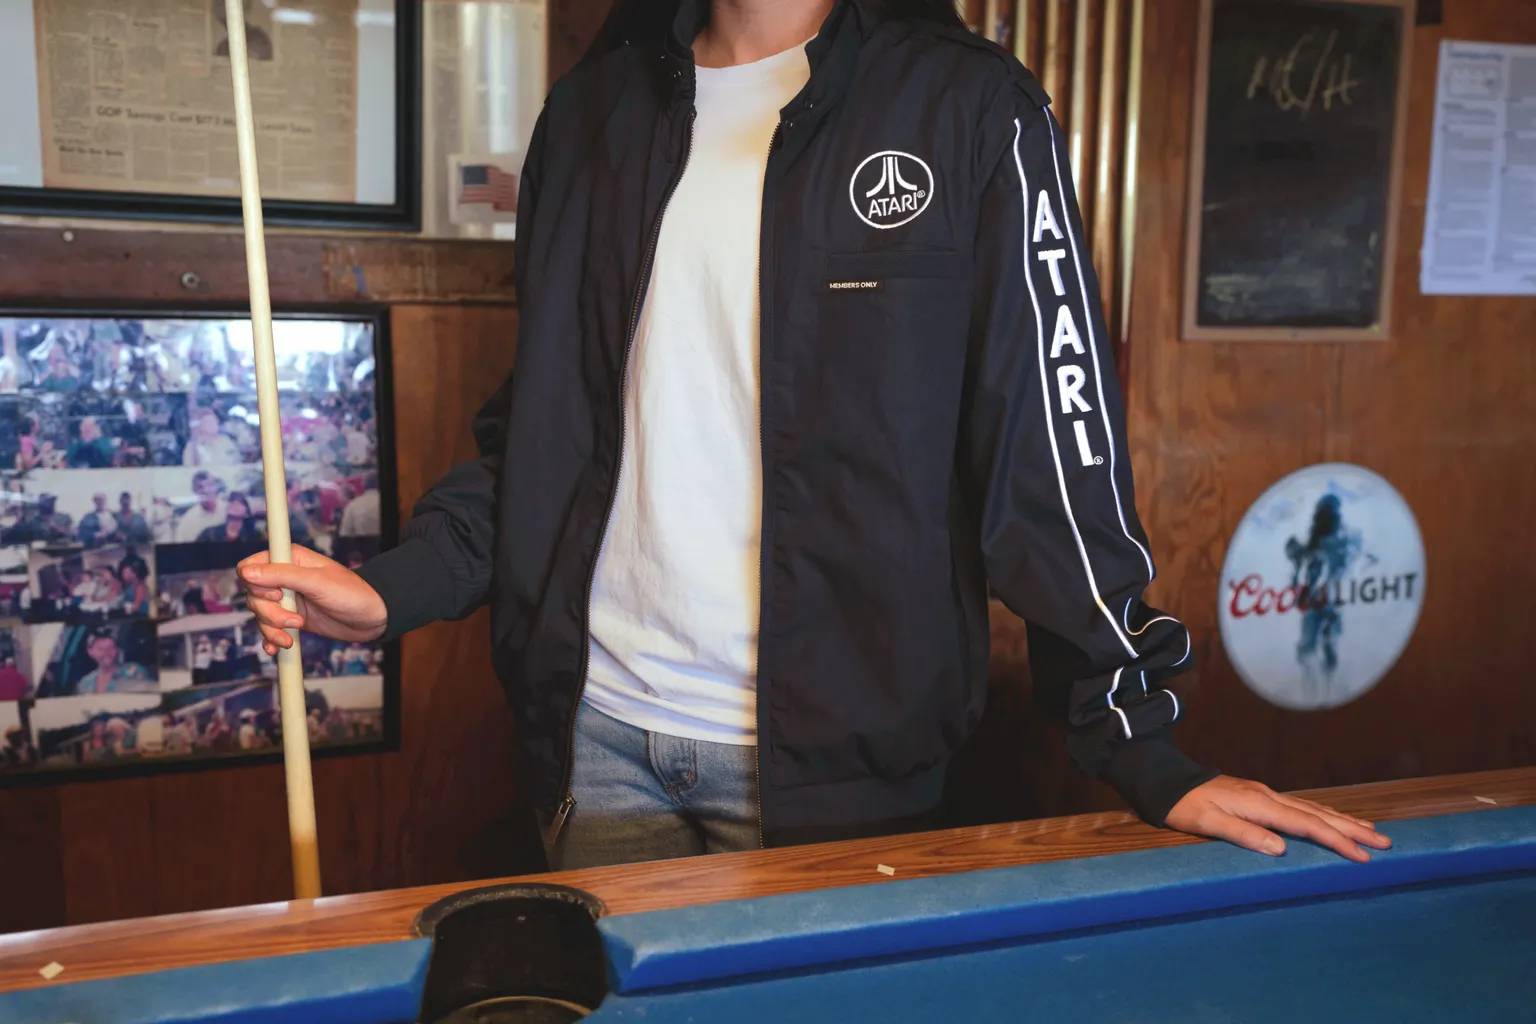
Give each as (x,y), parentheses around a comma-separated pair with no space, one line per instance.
(1093,918)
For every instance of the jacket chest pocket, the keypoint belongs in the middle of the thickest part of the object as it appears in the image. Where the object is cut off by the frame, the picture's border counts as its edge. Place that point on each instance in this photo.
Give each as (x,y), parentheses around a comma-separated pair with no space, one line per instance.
(891,334)
(893,299)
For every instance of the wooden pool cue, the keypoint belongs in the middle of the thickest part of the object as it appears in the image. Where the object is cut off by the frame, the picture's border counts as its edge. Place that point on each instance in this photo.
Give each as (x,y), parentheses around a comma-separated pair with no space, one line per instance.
(290,669)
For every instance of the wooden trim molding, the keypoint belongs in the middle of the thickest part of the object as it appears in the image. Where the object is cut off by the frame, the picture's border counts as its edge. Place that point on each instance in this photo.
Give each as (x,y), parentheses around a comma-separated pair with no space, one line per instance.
(95,265)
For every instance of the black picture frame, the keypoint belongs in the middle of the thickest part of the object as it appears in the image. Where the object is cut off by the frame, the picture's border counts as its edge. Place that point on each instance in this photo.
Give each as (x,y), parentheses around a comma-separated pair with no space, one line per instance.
(377,317)
(404,214)
(1270,188)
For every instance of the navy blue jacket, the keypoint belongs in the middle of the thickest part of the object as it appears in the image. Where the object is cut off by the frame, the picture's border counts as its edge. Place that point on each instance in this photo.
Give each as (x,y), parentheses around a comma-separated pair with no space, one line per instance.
(939,412)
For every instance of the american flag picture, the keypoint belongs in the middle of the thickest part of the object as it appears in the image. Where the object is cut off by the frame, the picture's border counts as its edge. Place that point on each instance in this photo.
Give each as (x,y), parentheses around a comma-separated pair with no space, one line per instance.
(488,184)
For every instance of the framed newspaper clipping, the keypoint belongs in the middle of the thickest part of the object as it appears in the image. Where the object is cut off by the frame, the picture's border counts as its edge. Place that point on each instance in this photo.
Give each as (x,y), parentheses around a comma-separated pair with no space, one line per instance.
(126,110)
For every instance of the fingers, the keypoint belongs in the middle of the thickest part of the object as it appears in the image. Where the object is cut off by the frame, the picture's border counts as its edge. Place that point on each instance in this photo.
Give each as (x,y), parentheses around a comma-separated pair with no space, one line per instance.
(301,556)
(271,613)
(1249,814)
(269,576)
(1307,825)
(274,621)
(1315,808)
(1218,824)
(309,559)
(1363,832)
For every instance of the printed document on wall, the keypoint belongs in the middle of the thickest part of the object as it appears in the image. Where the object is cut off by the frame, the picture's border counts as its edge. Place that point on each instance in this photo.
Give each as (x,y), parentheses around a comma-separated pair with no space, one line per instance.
(1480,220)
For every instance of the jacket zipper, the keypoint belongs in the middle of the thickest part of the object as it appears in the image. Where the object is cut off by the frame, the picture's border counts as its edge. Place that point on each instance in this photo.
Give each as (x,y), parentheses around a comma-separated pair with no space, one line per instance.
(762,444)
(568,804)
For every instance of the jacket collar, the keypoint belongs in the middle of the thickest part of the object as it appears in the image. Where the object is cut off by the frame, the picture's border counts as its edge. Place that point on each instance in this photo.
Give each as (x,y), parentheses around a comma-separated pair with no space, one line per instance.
(833,54)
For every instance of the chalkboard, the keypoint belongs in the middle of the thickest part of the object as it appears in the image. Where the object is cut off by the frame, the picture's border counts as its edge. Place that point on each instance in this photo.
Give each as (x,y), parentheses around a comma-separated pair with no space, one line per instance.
(1299,110)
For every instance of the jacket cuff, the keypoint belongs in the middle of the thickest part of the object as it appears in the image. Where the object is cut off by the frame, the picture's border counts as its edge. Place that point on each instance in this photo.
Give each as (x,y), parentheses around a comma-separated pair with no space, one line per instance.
(1152,775)
(413,581)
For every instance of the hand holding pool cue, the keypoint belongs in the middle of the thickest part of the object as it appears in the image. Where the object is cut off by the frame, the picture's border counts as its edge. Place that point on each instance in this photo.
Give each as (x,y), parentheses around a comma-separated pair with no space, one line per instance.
(290,669)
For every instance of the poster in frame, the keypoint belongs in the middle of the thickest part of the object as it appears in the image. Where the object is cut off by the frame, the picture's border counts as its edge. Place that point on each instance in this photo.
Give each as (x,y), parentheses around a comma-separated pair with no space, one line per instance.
(128,112)
(130,486)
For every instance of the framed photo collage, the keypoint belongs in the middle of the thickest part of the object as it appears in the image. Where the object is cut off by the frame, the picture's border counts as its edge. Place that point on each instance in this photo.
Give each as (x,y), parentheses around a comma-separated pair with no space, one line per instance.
(130,487)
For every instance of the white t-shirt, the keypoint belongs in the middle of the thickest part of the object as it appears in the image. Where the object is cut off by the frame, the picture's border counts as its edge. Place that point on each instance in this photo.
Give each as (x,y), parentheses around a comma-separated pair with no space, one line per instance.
(675,601)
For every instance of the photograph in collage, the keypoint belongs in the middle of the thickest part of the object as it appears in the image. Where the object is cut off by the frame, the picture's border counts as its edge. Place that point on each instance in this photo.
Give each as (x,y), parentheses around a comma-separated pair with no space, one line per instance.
(16,680)
(130,488)
(17,751)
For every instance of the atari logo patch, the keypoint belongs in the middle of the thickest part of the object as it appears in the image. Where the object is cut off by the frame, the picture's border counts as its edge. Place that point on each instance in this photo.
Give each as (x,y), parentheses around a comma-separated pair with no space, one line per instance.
(890,188)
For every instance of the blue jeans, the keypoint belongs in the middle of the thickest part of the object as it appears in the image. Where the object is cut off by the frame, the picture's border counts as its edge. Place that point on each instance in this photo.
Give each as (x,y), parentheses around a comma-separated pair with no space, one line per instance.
(645,796)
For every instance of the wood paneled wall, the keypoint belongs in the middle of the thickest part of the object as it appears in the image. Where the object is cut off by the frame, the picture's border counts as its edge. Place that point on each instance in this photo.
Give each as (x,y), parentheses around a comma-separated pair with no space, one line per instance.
(1443,410)
(445,805)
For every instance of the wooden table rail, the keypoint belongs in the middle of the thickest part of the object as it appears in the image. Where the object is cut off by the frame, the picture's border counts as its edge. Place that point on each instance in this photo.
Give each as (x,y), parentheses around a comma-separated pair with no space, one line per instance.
(183,940)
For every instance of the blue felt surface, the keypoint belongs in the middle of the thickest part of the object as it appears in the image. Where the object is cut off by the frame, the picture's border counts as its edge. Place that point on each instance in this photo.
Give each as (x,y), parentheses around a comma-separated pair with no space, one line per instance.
(695,945)
(1460,953)
(376,984)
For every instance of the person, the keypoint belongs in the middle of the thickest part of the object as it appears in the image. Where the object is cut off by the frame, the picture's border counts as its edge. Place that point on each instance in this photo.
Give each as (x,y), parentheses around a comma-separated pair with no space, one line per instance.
(249,737)
(178,736)
(131,446)
(209,446)
(355,661)
(300,530)
(149,735)
(60,374)
(98,746)
(747,522)
(324,495)
(103,594)
(235,379)
(216,595)
(360,517)
(269,723)
(207,513)
(192,602)
(17,751)
(80,593)
(14,684)
(202,658)
(54,527)
(28,455)
(14,370)
(97,525)
(110,673)
(221,667)
(247,440)
(133,575)
(132,528)
(91,450)
(39,523)
(359,445)
(336,724)
(238,526)
(218,736)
